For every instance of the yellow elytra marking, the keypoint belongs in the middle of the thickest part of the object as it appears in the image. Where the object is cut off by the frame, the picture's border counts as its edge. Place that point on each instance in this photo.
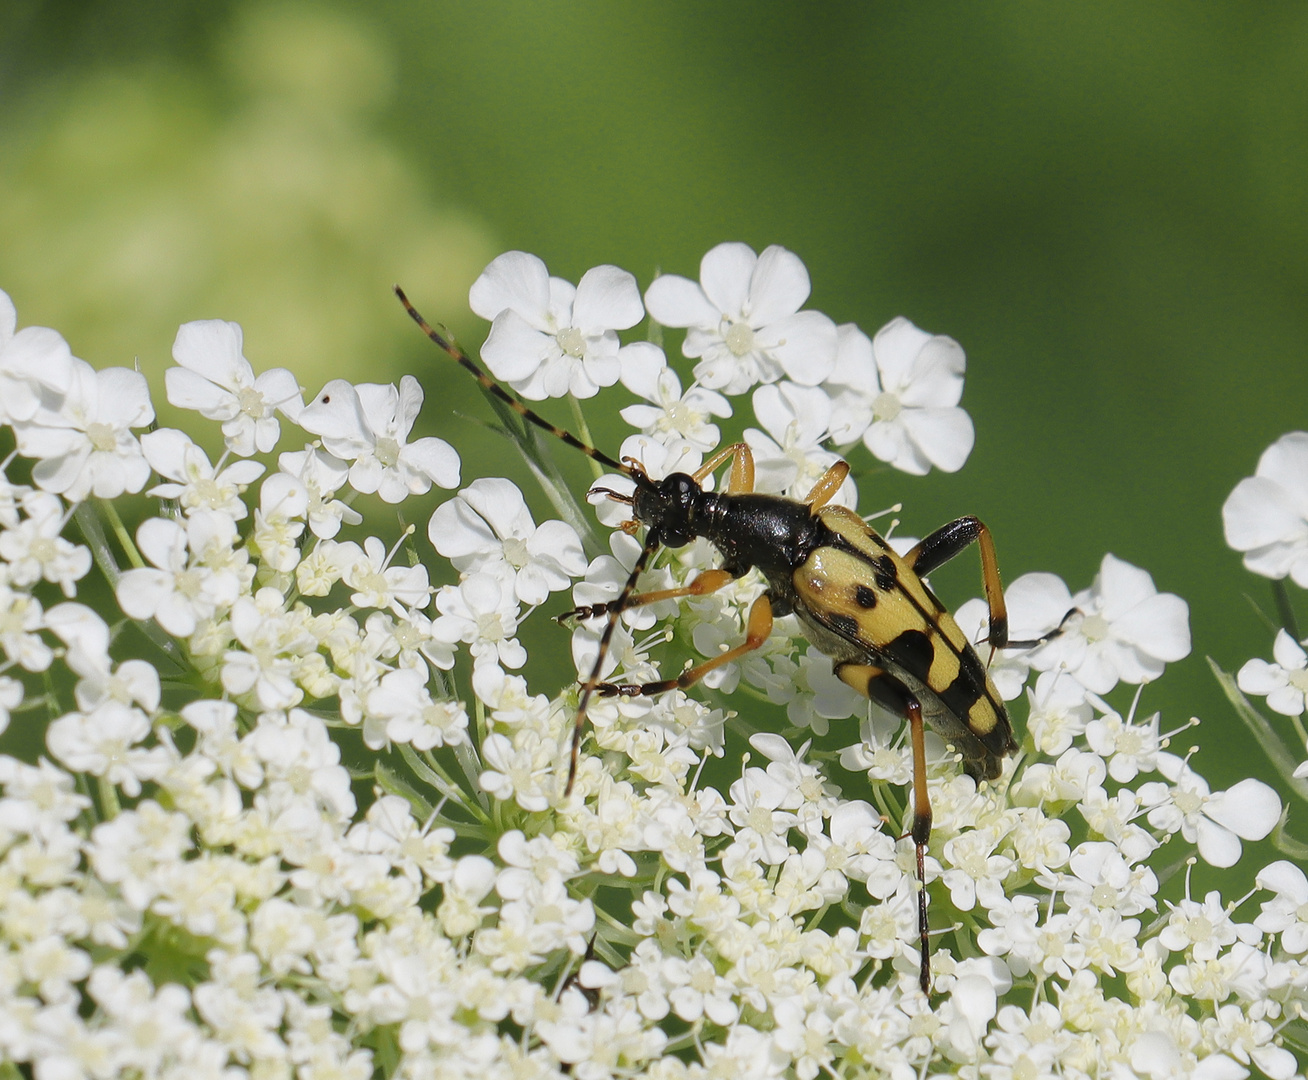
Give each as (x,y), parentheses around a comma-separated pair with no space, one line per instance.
(829,581)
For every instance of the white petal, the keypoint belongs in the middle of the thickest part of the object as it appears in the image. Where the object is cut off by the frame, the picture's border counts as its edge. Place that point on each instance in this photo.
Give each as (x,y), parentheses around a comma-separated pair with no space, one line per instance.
(123,398)
(8,318)
(187,390)
(724,274)
(896,346)
(457,531)
(937,375)
(1122,586)
(515,349)
(1218,846)
(1259,512)
(778,286)
(1259,677)
(643,363)
(944,436)
(165,449)
(435,459)
(677,301)
(40,354)
(855,365)
(804,344)
(501,503)
(212,348)
(1285,462)
(1288,652)
(1160,626)
(281,390)
(514,281)
(1285,879)
(1286,700)
(336,413)
(607,299)
(1250,809)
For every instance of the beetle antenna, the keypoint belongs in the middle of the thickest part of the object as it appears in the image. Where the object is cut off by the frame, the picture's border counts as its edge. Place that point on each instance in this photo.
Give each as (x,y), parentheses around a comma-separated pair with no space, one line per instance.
(491,386)
(592,683)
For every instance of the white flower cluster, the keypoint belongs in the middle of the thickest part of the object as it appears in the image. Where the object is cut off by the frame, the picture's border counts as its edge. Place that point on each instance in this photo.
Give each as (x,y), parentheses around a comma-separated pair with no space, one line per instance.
(195,884)
(1266,517)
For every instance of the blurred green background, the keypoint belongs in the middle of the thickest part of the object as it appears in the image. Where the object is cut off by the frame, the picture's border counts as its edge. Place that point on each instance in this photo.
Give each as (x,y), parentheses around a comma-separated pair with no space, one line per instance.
(1104,203)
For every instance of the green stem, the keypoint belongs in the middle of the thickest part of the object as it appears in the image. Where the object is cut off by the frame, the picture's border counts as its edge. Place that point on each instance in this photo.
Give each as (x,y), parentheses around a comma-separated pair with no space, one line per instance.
(1284,609)
(125,541)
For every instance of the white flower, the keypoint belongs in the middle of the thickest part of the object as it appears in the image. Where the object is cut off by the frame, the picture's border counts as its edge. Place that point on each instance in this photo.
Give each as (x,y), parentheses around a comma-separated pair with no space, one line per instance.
(368,425)
(86,637)
(743,319)
(548,339)
(1124,628)
(178,594)
(217,380)
(1266,516)
(1283,683)
(102,743)
(84,442)
(196,485)
(796,418)
(34,550)
(378,583)
(1217,822)
(900,393)
(483,612)
(1287,914)
(409,715)
(670,415)
(32,360)
(304,486)
(488,528)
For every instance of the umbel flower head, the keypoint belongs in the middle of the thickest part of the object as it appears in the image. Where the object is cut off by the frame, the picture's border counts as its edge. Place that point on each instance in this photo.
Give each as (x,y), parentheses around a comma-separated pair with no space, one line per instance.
(305,813)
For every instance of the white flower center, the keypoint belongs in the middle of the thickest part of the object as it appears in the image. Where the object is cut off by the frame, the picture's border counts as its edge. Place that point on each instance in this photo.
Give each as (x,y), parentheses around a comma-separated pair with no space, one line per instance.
(408,636)
(572,341)
(515,553)
(387,451)
(740,339)
(1188,802)
(250,402)
(188,583)
(209,493)
(102,436)
(1094,627)
(760,820)
(42,550)
(489,627)
(372,581)
(1298,679)
(886,406)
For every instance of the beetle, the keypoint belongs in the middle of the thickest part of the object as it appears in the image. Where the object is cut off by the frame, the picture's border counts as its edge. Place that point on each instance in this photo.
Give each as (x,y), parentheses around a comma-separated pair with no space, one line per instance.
(858,601)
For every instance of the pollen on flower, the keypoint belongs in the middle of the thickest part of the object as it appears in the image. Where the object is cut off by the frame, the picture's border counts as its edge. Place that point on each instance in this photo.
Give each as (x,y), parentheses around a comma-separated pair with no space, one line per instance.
(740,339)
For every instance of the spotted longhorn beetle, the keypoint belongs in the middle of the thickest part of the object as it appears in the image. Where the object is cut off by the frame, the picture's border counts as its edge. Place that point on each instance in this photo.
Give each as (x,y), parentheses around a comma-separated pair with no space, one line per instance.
(859,602)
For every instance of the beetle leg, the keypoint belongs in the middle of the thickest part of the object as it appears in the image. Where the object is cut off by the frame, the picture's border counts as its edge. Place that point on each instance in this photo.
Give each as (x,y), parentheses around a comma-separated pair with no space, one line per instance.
(946,542)
(757,630)
(593,682)
(827,486)
(886,690)
(741,480)
(707,582)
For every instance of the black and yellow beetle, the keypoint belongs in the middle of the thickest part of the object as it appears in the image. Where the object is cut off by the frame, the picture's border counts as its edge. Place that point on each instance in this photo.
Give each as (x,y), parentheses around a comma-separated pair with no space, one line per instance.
(858,601)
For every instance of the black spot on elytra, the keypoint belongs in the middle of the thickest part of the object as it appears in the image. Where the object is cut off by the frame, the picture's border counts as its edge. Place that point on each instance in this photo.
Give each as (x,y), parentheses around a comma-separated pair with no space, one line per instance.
(865,597)
(912,651)
(886,574)
(844,625)
(967,688)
